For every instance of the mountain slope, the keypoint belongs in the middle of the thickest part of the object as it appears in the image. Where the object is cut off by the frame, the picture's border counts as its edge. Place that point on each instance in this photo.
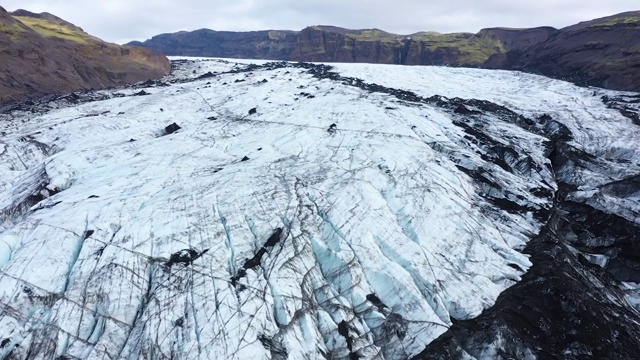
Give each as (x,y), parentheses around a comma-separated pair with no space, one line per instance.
(602,52)
(43,55)
(276,211)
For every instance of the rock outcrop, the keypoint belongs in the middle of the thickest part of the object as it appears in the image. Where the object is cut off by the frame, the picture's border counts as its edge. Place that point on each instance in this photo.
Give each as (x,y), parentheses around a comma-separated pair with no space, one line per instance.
(603,52)
(205,42)
(41,54)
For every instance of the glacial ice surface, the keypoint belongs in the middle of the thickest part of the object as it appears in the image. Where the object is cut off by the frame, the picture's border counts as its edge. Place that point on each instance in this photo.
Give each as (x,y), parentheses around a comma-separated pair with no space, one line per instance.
(290,216)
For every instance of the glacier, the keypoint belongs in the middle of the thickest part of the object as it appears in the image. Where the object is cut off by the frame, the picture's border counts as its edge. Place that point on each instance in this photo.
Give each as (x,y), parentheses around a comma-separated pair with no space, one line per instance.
(270,210)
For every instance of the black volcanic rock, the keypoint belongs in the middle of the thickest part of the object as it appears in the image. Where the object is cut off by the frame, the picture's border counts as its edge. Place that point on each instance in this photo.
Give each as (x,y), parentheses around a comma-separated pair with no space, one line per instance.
(565,307)
(170,129)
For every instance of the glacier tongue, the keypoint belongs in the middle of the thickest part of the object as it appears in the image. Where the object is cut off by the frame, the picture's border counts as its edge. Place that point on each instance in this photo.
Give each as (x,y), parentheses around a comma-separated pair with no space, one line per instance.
(296,212)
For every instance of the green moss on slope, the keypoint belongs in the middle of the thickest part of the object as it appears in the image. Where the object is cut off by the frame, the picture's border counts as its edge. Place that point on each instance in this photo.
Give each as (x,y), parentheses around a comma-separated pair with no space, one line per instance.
(618,20)
(473,50)
(50,29)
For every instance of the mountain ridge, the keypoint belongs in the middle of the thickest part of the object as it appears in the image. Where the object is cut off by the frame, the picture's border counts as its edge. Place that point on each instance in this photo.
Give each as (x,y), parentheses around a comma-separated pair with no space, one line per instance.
(43,54)
(543,50)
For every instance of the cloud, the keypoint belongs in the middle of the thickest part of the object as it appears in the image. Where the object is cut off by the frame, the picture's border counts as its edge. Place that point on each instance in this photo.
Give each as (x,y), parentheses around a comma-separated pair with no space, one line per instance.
(124,20)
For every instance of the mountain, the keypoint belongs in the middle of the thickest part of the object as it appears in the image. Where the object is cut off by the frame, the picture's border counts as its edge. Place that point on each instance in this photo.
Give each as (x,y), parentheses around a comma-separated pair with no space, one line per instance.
(333,44)
(204,42)
(43,55)
(281,210)
(602,52)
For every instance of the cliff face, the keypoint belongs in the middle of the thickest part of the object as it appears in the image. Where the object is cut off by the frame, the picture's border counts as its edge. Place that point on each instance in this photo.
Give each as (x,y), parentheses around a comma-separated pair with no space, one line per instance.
(603,52)
(204,42)
(332,44)
(518,39)
(41,54)
(323,43)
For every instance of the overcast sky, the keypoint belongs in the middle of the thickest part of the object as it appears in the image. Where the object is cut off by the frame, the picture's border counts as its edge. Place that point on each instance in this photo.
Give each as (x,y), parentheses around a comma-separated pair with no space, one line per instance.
(121,21)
